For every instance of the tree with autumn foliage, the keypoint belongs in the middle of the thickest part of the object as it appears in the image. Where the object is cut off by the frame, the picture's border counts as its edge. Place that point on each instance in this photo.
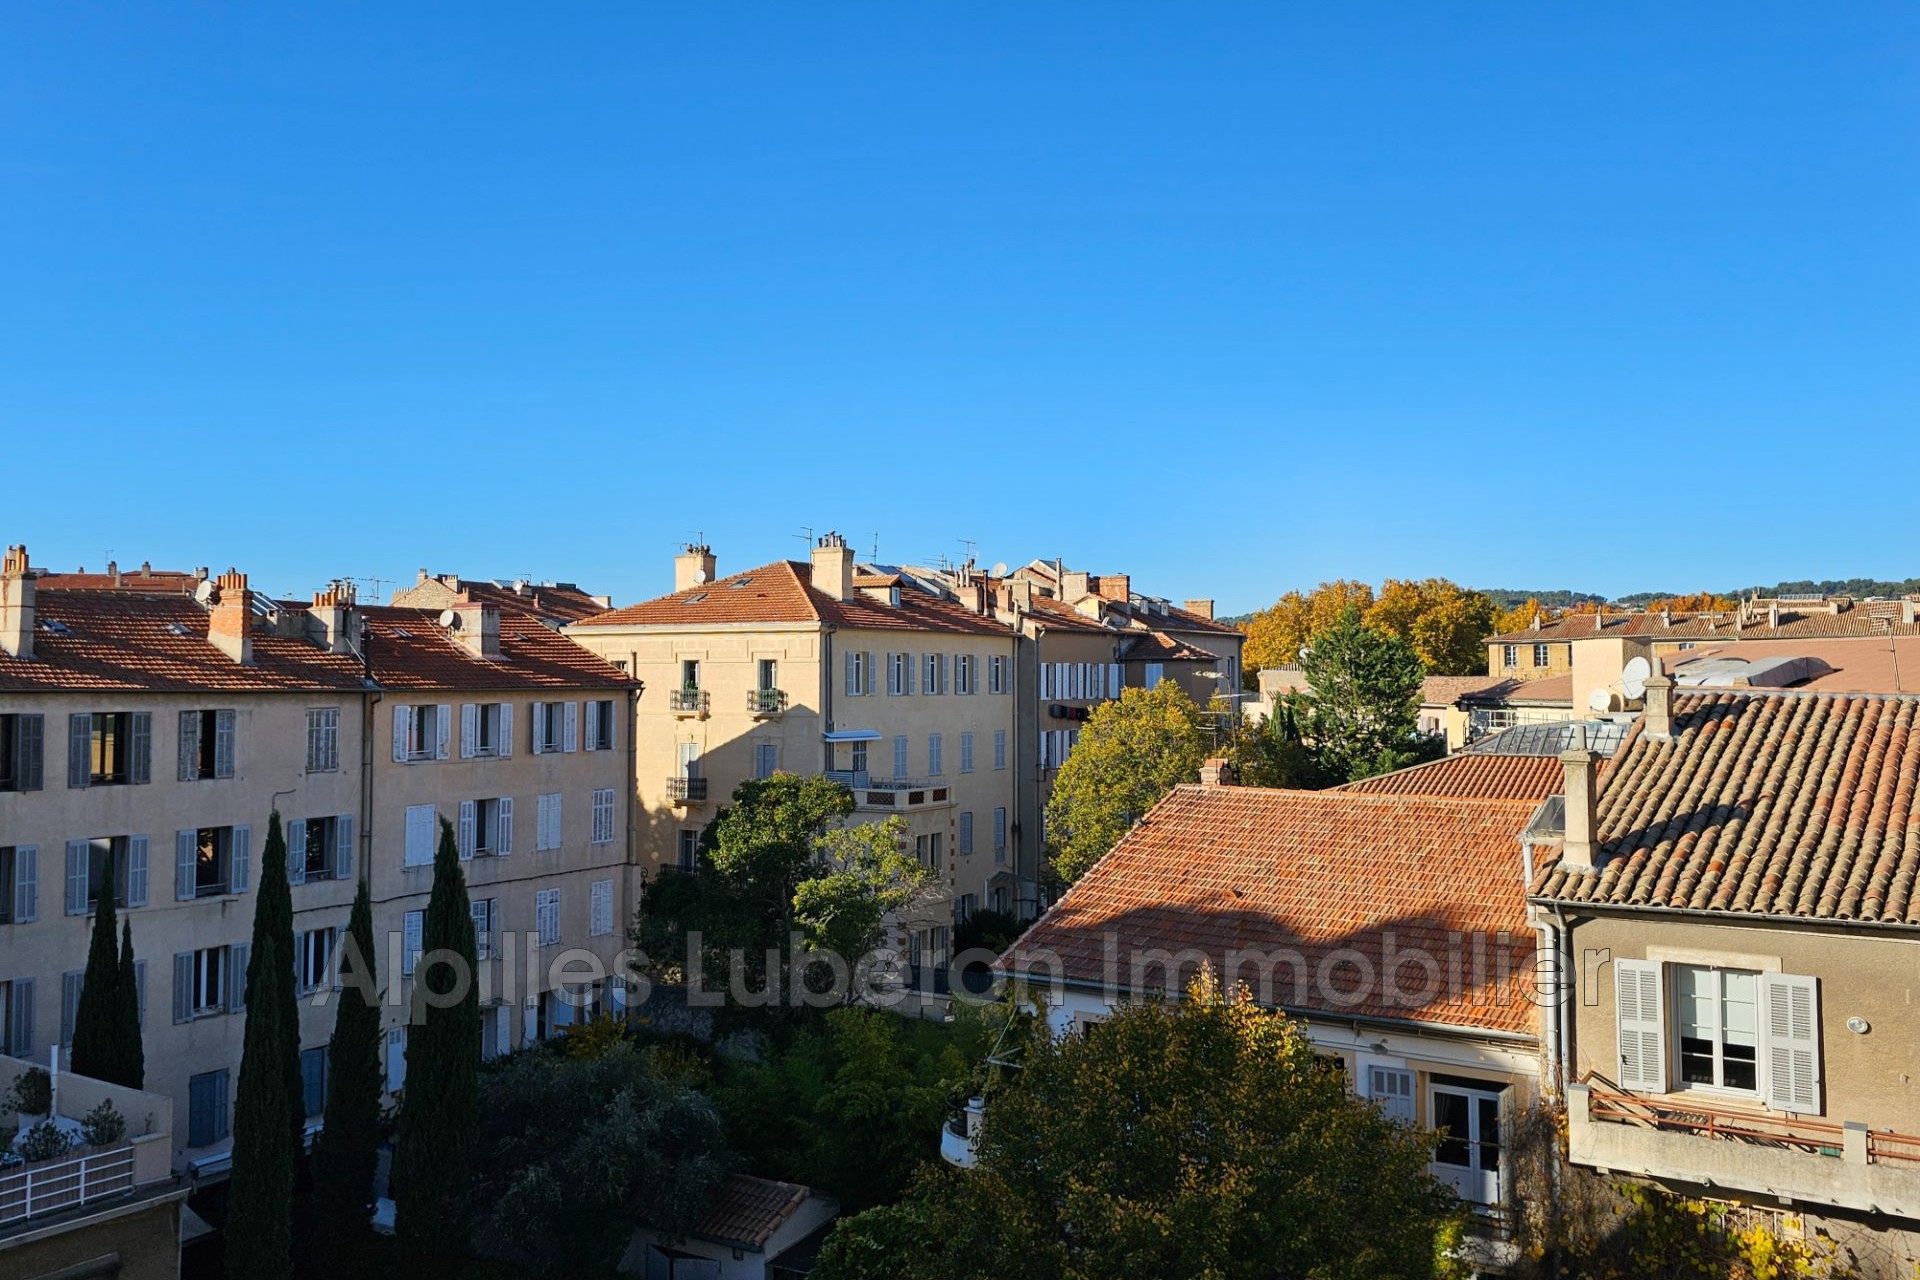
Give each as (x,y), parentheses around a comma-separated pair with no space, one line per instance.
(1277,634)
(1133,751)
(1445,624)
(1698,602)
(1520,618)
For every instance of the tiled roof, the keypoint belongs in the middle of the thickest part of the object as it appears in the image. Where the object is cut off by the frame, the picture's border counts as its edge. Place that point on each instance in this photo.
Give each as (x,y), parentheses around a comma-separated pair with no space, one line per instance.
(149,581)
(1555,690)
(746,1211)
(1226,869)
(128,641)
(561,602)
(1877,664)
(1158,646)
(1777,804)
(1863,619)
(783,592)
(1444,691)
(411,650)
(1474,777)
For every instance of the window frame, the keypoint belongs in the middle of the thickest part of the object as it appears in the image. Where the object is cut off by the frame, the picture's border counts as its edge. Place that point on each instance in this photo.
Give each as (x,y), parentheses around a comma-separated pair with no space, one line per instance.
(1718,1043)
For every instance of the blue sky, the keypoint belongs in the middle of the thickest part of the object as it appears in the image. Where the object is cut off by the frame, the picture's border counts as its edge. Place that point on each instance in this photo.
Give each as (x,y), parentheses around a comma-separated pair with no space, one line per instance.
(1232,297)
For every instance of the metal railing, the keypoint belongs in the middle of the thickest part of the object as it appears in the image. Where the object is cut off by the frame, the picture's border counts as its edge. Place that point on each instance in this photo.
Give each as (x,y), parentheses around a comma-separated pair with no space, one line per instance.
(766,702)
(34,1192)
(1817,1137)
(684,788)
(688,700)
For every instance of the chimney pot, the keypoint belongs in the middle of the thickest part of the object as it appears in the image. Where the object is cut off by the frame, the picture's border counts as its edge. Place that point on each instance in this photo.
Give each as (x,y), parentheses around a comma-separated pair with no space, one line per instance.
(1579,850)
(693,567)
(1216,772)
(833,567)
(1659,705)
(230,619)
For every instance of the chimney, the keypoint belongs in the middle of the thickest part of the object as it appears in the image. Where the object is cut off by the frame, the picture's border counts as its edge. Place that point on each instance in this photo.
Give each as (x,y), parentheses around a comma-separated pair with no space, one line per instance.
(1579,849)
(230,619)
(1216,772)
(1659,708)
(113,571)
(1202,607)
(16,603)
(333,610)
(833,567)
(477,627)
(421,581)
(1020,595)
(693,567)
(1773,614)
(1117,587)
(1073,585)
(971,595)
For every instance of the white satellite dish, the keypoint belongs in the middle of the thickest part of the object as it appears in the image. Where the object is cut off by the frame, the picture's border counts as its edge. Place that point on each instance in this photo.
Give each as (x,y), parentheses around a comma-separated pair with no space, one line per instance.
(205,592)
(449,619)
(999,569)
(1633,678)
(1602,700)
(699,575)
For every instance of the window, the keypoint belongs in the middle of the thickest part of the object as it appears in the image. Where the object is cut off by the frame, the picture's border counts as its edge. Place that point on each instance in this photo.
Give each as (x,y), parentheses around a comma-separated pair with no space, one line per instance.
(22,752)
(213,862)
(1468,1120)
(999,832)
(966,831)
(999,677)
(600,913)
(547,833)
(927,849)
(1728,1029)
(313,1080)
(935,678)
(396,1059)
(1716,1015)
(859,674)
(766,759)
(16,1017)
(1541,655)
(964,906)
(546,913)
(860,759)
(423,732)
(689,849)
(108,851)
(323,740)
(481,909)
(966,673)
(1510,655)
(19,872)
(899,673)
(900,755)
(1156,672)
(555,726)
(413,940)
(603,815)
(206,979)
(108,748)
(999,748)
(314,846)
(486,730)
(422,827)
(1392,1089)
(313,957)
(689,675)
(206,744)
(207,1109)
(600,724)
(935,767)
(966,753)
(769,675)
(486,828)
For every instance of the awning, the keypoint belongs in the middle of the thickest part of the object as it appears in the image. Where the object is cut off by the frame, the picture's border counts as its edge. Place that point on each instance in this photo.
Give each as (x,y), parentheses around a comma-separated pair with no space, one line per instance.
(852,735)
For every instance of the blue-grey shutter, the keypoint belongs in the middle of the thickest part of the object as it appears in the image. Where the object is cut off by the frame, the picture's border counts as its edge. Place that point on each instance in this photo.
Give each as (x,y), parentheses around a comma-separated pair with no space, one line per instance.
(186,854)
(402,732)
(140,992)
(137,871)
(223,744)
(297,851)
(237,956)
(853,688)
(505,745)
(189,765)
(26,883)
(593,725)
(221,1124)
(28,734)
(140,765)
(463,837)
(343,851)
(20,1038)
(503,838)
(79,749)
(70,983)
(242,853)
(183,986)
(79,853)
(442,729)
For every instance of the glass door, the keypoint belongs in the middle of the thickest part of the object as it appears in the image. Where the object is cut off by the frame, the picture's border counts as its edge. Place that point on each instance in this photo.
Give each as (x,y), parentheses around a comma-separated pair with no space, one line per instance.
(1468,1158)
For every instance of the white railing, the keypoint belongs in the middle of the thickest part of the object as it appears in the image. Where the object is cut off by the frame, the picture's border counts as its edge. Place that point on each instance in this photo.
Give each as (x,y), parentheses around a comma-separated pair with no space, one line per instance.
(38,1190)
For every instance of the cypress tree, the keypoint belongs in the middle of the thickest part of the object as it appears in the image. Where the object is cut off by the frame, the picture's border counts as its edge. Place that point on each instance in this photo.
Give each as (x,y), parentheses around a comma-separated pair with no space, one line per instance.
(131,1058)
(438,1111)
(266,1111)
(346,1153)
(94,1051)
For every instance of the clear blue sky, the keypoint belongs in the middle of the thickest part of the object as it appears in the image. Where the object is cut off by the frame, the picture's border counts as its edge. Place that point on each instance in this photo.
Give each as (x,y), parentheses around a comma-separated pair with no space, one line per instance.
(1234,297)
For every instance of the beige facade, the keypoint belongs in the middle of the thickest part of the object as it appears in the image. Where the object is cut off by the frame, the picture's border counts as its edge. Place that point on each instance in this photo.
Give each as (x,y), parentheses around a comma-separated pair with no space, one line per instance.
(1529,659)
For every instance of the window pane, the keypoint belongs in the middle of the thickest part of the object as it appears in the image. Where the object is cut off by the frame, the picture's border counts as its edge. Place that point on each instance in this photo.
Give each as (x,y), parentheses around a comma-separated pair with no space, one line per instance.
(1489,1134)
(1451,1117)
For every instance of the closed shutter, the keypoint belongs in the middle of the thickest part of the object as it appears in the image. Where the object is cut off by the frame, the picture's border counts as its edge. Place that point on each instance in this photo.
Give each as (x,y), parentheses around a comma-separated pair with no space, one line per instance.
(343,849)
(79,749)
(481,909)
(570,740)
(1790,1041)
(1640,1021)
(186,855)
(503,842)
(70,984)
(189,745)
(242,859)
(183,986)
(593,726)
(442,729)
(853,687)
(140,748)
(28,751)
(79,852)
(465,836)
(966,753)
(297,851)
(1000,828)
(505,745)
(20,1035)
(1115,681)
(137,847)
(966,832)
(224,741)
(469,714)
(237,956)
(412,928)
(602,908)
(402,733)
(26,884)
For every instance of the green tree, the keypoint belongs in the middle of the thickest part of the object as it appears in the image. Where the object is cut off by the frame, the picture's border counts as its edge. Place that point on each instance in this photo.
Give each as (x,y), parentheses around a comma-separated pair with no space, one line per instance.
(1132,752)
(1198,1139)
(1273,753)
(95,1051)
(126,1034)
(267,1104)
(431,1166)
(1364,701)
(859,874)
(347,1151)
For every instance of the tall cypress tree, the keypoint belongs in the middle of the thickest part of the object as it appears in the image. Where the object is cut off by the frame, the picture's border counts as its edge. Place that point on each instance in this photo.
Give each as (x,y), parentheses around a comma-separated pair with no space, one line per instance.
(346,1153)
(266,1110)
(439,1109)
(130,1056)
(94,1052)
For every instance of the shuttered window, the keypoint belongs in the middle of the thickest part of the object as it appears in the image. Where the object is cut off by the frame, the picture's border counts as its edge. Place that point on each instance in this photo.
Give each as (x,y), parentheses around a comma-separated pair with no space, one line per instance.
(999,748)
(418,851)
(546,914)
(603,815)
(966,753)
(323,739)
(547,829)
(1640,1027)
(1790,1034)
(601,922)
(22,752)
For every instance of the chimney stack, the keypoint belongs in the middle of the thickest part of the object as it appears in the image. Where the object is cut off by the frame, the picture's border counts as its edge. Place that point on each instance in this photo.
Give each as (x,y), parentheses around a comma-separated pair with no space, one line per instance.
(1579,851)
(1216,772)
(1073,585)
(16,603)
(333,610)
(478,630)
(833,567)
(693,567)
(230,619)
(1659,707)
(1020,595)
(1117,587)
(1202,607)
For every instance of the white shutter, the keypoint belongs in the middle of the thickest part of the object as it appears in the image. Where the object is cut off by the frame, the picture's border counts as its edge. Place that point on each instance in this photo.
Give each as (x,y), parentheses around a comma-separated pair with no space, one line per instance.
(402,732)
(343,851)
(297,851)
(1790,1041)
(570,739)
(442,727)
(541,712)
(601,923)
(1639,1003)
(183,986)
(189,745)
(469,732)
(503,839)
(136,870)
(26,883)
(240,853)
(465,836)
(504,747)
(853,688)
(593,726)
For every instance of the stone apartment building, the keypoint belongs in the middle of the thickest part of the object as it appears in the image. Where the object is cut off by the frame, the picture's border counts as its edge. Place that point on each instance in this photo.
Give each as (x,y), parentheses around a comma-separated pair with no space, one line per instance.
(156,731)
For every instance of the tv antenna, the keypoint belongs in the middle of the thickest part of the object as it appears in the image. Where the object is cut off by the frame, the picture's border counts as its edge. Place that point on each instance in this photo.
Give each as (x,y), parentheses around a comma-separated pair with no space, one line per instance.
(806,535)
(375,584)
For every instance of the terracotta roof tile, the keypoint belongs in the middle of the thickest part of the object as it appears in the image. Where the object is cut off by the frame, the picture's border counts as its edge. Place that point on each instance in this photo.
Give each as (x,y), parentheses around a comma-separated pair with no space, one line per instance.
(1862,619)
(1444,691)
(746,1211)
(410,650)
(783,592)
(1472,777)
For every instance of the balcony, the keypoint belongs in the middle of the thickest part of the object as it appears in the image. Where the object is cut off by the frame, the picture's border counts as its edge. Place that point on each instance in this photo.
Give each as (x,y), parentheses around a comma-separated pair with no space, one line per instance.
(1844,1164)
(766,704)
(892,795)
(684,790)
(137,1165)
(960,1135)
(689,702)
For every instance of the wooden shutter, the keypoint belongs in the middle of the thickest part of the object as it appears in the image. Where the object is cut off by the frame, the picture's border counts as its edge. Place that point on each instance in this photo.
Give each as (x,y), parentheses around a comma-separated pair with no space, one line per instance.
(297,851)
(183,986)
(602,908)
(236,993)
(79,749)
(541,712)
(402,732)
(465,836)
(140,992)
(966,831)
(469,714)
(20,1034)
(224,730)
(411,940)
(241,854)
(189,745)
(137,847)
(503,842)
(505,745)
(140,748)
(1790,1041)
(571,732)
(593,725)
(1639,1000)
(186,854)
(26,883)
(70,984)
(343,849)
(853,688)
(442,730)
(29,732)
(78,854)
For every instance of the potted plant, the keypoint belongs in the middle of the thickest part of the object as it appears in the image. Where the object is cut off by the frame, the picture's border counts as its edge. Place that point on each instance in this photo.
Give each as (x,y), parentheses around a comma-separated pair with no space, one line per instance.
(31,1096)
(45,1141)
(103,1126)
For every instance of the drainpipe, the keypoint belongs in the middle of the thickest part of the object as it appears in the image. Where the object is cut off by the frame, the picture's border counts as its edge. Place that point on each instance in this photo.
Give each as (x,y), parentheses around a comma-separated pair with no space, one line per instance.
(826,693)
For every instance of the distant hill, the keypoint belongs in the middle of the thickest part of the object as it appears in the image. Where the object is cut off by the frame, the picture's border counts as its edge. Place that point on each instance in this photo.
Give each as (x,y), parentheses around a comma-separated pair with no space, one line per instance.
(1507,599)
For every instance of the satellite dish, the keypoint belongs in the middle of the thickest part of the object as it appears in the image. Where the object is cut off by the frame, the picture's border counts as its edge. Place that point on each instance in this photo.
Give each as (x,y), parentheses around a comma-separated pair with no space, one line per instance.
(699,575)
(1633,678)
(205,592)
(1602,700)
(999,569)
(449,619)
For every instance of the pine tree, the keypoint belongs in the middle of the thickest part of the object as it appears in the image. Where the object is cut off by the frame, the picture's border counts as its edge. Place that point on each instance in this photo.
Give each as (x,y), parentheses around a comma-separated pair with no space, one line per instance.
(130,1057)
(346,1153)
(266,1111)
(94,1051)
(438,1113)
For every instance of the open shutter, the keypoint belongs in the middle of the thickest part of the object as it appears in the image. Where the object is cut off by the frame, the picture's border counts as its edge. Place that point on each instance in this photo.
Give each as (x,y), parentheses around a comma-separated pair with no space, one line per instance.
(237,957)
(468,733)
(593,726)
(503,841)
(1790,1041)
(464,838)
(402,732)
(70,984)
(442,729)
(183,986)
(297,851)
(78,854)
(28,743)
(570,731)
(1639,1001)
(189,745)
(412,927)
(186,852)
(343,850)
(242,852)
(223,744)
(136,870)
(540,713)
(853,688)
(20,1036)
(140,748)
(26,884)
(79,749)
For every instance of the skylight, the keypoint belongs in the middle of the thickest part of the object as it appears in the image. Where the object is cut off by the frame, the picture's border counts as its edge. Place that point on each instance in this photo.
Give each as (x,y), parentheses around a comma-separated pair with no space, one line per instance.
(695,598)
(741,583)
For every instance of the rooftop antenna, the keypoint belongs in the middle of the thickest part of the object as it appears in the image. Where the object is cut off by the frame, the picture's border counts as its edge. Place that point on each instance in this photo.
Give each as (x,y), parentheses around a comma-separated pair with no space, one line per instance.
(876,546)
(806,535)
(376,584)
(973,549)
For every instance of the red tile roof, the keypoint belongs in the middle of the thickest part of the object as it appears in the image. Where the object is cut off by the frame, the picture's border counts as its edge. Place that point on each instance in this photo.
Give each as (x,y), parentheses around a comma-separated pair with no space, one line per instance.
(411,650)
(1867,618)
(783,592)
(1472,777)
(746,1211)
(1226,869)
(150,581)
(557,601)
(1444,691)
(1158,646)
(1777,804)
